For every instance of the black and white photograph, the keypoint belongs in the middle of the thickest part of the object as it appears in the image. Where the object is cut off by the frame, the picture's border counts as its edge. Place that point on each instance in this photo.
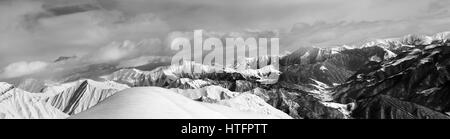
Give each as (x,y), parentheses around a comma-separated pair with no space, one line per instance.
(225,59)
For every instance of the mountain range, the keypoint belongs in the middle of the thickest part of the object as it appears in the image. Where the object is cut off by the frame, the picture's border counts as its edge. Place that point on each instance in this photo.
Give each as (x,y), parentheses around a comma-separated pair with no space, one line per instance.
(397,78)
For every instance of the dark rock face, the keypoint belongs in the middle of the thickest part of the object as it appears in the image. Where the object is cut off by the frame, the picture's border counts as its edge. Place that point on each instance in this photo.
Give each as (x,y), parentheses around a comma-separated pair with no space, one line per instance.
(64,58)
(330,66)
(385,107)
(5,87)
(298,104)
(419,77)
(308,107)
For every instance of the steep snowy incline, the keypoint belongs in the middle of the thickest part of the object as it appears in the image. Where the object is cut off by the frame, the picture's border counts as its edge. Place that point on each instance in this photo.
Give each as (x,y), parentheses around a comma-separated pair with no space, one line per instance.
(55,101)
(159,103)
(78,96)
(19,104)
(252,103)
(246,101)
(4,87)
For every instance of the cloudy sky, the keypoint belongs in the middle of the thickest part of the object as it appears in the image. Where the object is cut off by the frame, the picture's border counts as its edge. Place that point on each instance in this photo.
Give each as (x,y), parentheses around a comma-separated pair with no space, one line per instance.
(33,33)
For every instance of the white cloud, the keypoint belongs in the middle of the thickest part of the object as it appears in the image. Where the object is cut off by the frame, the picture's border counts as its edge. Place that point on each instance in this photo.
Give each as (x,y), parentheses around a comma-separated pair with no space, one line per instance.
(125,50)
(326,34)
(29,32)
(143,60)
(238,14)
(22,68)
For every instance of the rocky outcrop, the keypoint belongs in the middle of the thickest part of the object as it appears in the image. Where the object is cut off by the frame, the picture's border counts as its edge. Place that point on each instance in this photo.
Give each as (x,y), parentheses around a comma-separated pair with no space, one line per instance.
(385,107)
(420,76)
(328,65)
(298,104)
(415,84)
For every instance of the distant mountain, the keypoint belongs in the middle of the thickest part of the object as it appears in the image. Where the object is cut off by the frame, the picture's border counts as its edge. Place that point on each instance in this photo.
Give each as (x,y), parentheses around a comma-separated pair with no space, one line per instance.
(408,41)
(176,75)
(29,84)
(64,58)
(386,107)
(330,66)
(59,8)
(419,75)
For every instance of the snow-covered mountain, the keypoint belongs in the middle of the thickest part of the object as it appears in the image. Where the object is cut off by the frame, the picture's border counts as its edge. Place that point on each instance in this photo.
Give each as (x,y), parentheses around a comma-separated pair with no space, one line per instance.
(178,75)
(408,41)
(416,79)
(4,87)
(75,97)
(307,76)
(68,99)
(19,104)
(390,78)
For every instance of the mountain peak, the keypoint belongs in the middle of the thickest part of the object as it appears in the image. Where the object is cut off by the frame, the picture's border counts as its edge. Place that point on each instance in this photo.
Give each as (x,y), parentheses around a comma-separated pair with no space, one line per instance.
(64,58)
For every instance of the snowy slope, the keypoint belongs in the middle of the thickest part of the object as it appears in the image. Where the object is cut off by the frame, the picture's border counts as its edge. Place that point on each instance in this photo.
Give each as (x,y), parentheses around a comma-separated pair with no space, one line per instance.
(159,103)
(241,101)
(4,87)
(19,104)
(78,96)
(252,103)
(56,101)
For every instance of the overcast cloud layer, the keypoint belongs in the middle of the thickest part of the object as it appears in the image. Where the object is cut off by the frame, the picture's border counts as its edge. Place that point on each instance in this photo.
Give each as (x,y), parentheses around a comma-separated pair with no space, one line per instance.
(31,36)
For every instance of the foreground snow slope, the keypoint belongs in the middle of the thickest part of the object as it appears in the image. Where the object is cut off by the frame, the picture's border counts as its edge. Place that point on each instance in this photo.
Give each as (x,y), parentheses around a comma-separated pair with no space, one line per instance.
(159,103)
(246,101)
